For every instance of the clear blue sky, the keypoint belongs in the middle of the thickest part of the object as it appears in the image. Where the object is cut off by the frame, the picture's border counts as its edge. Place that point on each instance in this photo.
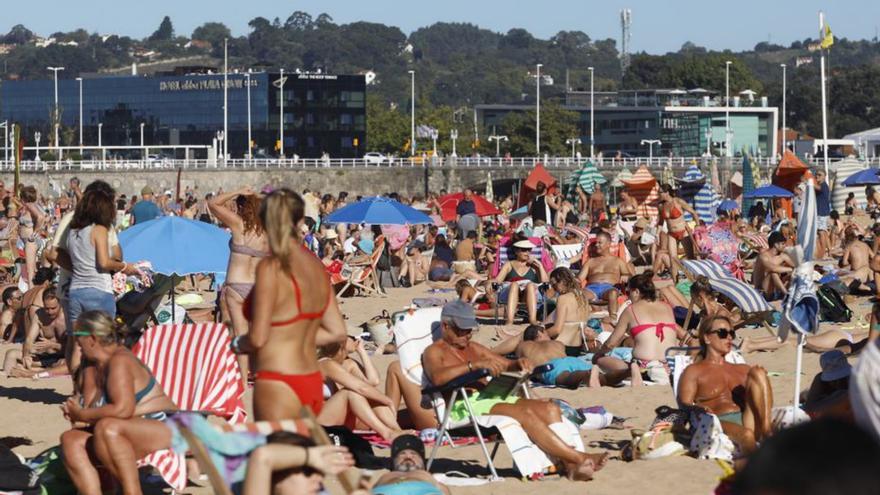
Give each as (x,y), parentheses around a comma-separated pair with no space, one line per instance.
(658,26)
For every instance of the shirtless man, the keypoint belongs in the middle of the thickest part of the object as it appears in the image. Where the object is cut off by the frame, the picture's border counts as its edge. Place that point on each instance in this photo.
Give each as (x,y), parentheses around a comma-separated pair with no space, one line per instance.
(48,324)
(597,205)
(740,395)
(772,265)
(454,354)
(857,258)
(408,470)
(570,372)
(603,273)
(32,300)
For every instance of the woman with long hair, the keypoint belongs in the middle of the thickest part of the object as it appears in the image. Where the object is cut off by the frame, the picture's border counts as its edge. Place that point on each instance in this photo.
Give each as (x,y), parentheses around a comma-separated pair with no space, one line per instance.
(118,418)
(30,220)
(283,337)
(671,211)
(246,248)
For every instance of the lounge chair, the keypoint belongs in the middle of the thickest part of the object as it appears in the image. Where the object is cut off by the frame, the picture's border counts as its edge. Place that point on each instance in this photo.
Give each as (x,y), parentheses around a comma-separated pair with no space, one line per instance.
(414,331)
(754,307)
(364,277)
(198,372)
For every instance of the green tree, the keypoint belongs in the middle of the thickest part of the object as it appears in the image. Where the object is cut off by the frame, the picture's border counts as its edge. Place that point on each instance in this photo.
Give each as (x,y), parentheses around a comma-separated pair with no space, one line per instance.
(387,127)
(212,32)
(165,31)
(557,125)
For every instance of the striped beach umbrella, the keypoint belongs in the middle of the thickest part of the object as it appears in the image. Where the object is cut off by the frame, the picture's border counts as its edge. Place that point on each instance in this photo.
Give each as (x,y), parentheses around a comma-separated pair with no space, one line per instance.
(589,177)
(689,186)
(748,184)
(706,203)
(621,176)
(806,228)
(643,187)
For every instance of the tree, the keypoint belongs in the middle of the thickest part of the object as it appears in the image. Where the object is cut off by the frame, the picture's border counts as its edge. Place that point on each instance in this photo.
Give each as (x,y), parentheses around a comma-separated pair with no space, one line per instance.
(212,32)
(387,127)
(18,35)
(557,125)
(299,21)
(165,31)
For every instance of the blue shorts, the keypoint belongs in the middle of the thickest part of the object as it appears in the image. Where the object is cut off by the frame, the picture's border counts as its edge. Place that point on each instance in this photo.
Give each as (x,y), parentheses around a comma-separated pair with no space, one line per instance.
(563,365)
(88,299)
(599,289)
(623,353)
(440,274)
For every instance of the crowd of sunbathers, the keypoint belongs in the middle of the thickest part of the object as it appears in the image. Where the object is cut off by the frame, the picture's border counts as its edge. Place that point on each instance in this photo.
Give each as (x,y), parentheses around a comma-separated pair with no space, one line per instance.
(599,294)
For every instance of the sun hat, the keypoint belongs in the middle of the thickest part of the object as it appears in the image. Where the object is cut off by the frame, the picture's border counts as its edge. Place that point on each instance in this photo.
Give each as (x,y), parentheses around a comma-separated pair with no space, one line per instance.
(330,234)
(834,366)
(524,244)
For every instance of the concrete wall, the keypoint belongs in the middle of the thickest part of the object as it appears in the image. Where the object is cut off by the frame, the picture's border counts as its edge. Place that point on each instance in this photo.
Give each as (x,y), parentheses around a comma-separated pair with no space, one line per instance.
(357,181)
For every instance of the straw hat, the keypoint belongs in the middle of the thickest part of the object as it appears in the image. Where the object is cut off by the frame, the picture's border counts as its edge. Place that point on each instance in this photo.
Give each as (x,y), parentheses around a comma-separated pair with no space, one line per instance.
(524,244)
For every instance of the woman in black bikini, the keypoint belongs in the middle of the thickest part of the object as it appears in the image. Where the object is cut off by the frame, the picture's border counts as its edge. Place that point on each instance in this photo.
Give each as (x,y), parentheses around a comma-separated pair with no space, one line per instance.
(521,277)
(247,247)
(118,418)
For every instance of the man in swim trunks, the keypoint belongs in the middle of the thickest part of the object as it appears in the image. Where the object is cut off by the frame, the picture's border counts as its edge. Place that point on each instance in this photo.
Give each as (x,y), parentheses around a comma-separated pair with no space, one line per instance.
(408,475)
(454,354)
(604,273)
(49,324)
(773,268)
(740,395)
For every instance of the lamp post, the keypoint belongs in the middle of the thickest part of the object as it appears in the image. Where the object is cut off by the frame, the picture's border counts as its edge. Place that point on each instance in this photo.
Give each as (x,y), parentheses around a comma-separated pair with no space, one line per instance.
(5,126)
(784,144)
(143,150)
(709,140)
(250,139)
(573,142)
(225,94)
(80,81)
(592,141)
(100,143)
(37,137)
(412,113)
(55,112)
(221,137)
(453,134)
(651,143)
(281,81)
(498,140)
(538,110)
(727,108)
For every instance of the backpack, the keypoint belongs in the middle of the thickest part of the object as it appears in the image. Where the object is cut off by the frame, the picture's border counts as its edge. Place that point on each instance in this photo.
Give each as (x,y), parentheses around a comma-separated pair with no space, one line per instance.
(831,305)
(383,264)
(15,476)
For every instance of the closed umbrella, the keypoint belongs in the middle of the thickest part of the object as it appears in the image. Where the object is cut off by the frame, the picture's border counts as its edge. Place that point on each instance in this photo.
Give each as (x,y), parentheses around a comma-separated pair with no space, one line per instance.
(490,188)
(379,211)
(748,184)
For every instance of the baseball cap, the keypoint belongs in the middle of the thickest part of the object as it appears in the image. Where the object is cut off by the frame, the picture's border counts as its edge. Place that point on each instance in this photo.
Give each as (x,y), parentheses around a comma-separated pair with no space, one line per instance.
(834,366)
(460,313)
(407,442)
(146,190)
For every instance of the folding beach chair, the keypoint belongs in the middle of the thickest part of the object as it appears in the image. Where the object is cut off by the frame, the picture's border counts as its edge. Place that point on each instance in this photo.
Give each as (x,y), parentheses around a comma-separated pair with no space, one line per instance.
(364,277)
(414,331)
(194,366)
(754,307)
(563,253)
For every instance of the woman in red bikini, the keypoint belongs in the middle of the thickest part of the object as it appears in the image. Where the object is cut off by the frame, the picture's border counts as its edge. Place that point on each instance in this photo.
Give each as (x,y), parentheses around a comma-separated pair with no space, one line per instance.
(672,211)
(292,311)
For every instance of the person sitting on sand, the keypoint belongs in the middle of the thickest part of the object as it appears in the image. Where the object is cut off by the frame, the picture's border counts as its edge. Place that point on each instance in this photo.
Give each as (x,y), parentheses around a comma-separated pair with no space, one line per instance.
(12,317)
(828,395)
(603,273)
(739,394)
(408,473)
(857,259)
(455,354)
(772,269)
(483,300)
(651,324)
(46,334)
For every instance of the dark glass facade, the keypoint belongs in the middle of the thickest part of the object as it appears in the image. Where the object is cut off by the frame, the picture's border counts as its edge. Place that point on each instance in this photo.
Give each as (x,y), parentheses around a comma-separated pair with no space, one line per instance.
(322,113)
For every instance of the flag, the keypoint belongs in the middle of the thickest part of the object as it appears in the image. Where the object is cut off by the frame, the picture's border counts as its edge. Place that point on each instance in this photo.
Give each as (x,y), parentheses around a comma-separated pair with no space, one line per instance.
(827,38)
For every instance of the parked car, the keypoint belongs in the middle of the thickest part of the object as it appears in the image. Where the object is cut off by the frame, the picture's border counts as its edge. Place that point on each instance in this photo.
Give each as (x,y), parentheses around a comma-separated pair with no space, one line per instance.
(374,158)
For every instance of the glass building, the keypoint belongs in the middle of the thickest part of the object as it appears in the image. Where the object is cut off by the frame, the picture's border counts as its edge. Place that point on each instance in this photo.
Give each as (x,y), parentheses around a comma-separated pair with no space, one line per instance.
(322,112)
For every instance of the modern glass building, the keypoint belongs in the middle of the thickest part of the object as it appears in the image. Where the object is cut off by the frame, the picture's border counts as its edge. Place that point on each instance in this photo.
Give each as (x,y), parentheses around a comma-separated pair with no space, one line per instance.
(322,112)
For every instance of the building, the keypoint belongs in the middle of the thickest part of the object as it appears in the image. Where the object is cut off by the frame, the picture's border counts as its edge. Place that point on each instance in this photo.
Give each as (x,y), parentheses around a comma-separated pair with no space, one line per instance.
(688,123)
(322,112)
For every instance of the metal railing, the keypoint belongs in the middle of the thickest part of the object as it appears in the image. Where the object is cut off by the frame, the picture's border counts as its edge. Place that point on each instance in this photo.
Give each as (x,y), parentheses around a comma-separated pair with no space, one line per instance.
(565,163)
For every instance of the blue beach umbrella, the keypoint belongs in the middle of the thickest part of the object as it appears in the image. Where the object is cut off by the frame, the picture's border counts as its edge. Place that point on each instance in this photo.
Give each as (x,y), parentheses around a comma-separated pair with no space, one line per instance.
(867,177)
(728,205)
(379,211)
(769,191)
(177,246)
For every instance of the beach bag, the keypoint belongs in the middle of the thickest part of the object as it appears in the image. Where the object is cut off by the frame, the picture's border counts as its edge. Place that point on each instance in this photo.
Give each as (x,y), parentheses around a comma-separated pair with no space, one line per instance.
(832,306)
(655,443)
(380,329)
(708,440)
(383,264)
(52,475)
(16,476)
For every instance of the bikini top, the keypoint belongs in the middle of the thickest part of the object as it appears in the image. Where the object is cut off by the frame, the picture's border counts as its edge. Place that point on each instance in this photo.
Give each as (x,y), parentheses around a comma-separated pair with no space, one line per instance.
(246,250)
(139,395)
(513,276)
(247,307)
(674,212)
(658,327)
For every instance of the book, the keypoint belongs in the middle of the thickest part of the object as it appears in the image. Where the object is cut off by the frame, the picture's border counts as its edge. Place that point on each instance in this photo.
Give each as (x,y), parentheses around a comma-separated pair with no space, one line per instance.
(502,386)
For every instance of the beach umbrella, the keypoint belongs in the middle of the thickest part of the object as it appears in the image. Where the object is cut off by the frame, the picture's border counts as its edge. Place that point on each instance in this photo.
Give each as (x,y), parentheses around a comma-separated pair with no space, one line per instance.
(449,203)
(728,205)
(706,203)
(490,188)
(378,211)
(768,191)
(842,171)
(867,177)
(177,246)
(589,177)
(519,213)
(806,233)
(748,184)
(621,176)
(643,187)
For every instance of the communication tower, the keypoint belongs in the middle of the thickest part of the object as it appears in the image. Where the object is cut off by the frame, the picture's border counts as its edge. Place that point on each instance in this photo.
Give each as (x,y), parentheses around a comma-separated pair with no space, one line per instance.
(626,38)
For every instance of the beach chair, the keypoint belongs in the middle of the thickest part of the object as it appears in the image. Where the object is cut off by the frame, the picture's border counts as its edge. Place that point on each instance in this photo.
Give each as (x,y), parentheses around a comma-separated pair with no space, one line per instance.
(563,253)
(364,277)
(751,303)
(194,366)
(414,331)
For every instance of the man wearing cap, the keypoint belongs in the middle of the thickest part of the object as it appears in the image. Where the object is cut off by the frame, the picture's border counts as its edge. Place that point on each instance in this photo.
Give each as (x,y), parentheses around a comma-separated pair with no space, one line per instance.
(408,474)
(773,268)
(145,209)
(454,354)
(603,273)
(829,392)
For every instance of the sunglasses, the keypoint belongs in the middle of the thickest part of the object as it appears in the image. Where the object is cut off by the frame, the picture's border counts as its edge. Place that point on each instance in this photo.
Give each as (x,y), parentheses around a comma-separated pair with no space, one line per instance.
(462,331)
(724,333)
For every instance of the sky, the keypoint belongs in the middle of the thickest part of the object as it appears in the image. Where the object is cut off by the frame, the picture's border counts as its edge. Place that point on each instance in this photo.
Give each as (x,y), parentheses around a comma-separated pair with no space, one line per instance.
(658,26)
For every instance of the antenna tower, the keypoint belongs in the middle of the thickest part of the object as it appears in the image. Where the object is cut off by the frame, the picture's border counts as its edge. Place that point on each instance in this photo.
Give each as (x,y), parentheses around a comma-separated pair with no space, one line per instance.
(626,38)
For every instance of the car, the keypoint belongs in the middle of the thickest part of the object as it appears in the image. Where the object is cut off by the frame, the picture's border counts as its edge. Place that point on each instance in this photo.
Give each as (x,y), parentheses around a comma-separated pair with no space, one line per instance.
(374,158)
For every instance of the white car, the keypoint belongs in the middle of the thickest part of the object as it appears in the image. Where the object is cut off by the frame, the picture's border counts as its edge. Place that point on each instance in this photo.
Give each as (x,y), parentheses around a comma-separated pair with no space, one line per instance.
(374,158)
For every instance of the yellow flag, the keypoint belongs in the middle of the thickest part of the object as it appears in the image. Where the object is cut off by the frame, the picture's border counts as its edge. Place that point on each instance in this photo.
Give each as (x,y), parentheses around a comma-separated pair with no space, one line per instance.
(827,38)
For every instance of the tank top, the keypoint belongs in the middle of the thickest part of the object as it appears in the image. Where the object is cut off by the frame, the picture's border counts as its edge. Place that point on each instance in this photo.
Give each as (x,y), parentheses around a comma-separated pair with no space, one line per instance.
(86,274)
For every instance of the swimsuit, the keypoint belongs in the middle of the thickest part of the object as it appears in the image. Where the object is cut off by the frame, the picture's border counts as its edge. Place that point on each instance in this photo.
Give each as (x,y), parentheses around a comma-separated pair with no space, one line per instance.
(408,487)
(309,388)
(599,289)
(658,327)
(674,214)
(244,289)
(563,365)
(732,417)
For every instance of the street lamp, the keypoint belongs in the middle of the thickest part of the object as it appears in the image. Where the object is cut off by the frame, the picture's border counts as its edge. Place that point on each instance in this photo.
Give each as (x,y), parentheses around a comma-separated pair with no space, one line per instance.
(250,154)
(651,143)
(498,140)
(100,144)
(784,145)
(727,108)
(412,113)
(55,113)
(80,81)
(453,134)
(221,136)
(573,142)
(225,93)
(280,84)
(143,150)
(538,110)
(592,142)
(37,137)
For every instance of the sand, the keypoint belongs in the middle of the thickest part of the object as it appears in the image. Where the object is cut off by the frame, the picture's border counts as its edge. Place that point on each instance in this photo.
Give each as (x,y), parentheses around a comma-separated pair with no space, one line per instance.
(31,409)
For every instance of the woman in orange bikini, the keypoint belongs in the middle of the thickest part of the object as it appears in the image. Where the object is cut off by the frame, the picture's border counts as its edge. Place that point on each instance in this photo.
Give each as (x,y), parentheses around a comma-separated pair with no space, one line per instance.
(283,337)
(672,212)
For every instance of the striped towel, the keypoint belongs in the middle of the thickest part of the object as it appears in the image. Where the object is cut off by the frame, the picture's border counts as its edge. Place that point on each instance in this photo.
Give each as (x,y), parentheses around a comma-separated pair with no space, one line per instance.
(198,372)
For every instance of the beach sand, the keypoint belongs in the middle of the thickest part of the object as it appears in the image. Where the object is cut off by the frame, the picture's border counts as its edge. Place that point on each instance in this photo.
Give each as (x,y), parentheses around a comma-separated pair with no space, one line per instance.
(31,409)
